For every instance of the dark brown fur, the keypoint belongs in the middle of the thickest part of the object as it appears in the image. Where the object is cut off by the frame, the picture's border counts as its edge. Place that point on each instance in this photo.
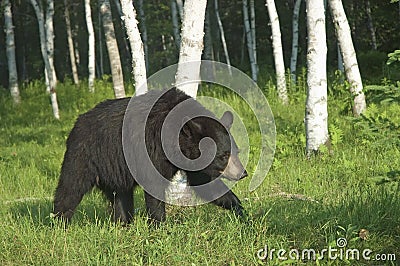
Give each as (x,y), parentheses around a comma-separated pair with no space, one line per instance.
(94,155)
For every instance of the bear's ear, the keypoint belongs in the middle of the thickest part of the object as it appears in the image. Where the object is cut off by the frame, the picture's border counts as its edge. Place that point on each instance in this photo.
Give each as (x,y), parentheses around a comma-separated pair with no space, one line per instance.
(190,127)
(227,119)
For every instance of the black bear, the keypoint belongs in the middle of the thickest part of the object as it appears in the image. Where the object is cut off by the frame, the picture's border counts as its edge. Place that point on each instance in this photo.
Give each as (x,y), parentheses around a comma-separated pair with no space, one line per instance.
(95,154)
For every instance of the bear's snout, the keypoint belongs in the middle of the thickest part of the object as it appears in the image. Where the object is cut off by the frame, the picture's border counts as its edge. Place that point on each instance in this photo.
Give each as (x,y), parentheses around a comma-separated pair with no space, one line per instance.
(234,170)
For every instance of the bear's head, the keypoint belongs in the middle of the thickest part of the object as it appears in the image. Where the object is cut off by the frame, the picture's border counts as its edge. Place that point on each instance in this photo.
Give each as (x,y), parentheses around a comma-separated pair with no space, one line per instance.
(225,162)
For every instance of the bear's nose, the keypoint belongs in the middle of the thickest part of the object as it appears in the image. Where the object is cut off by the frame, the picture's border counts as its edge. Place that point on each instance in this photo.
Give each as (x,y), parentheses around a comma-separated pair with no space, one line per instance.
(244,174)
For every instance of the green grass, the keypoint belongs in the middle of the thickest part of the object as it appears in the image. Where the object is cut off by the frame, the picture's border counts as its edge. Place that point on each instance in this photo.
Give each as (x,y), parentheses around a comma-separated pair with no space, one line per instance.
(302,204)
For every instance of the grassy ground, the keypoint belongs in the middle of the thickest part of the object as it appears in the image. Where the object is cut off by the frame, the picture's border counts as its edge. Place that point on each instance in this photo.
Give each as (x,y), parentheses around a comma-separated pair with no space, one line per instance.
(302,204)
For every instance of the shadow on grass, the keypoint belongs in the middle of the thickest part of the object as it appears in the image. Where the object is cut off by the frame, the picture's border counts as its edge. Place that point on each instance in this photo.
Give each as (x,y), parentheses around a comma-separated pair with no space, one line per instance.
(93,209)
(33,210)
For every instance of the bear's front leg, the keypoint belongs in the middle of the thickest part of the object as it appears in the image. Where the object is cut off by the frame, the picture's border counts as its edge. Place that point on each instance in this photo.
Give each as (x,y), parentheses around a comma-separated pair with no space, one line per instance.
(231,202)
(155,209)
(227,201)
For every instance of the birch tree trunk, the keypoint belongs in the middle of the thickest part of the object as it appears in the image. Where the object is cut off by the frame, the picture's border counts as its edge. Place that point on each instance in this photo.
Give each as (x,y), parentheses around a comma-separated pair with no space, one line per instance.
(112,48)
(191,46)
(221,30)
(76,32)
(253,32)
(371,25)
(175,24)
(278,53)
(100,45)
(316,116)
(50,40)
(48,67)
(295,40)
(91,45)
(138,61)
(143,30)
(249,38)
(10,50)
(70,44)
(352,71)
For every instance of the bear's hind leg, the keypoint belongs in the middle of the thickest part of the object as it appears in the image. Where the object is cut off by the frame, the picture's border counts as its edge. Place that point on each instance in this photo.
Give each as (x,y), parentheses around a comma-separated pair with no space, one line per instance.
(155,209)
(122,204)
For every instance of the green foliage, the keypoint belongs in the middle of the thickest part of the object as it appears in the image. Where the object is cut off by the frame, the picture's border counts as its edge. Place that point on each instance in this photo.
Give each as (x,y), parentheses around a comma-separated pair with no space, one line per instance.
(335,134)
(378,126)
(393,57)
(388,93)
(301,204)
(340,88)
(299,90)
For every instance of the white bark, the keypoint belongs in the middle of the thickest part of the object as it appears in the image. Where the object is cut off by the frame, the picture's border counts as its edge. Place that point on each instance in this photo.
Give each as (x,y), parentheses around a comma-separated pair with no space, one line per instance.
(143,30)
(48,67)
(316,116)
(352,71)
(175,24)
(191,46)
(249,38)
(295,40)
(10,50)
(278,52)
(138,61)
(371,25)
(50,39)
(91,45)
(75,34)
(70,44)
(112,48)
(221,30)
